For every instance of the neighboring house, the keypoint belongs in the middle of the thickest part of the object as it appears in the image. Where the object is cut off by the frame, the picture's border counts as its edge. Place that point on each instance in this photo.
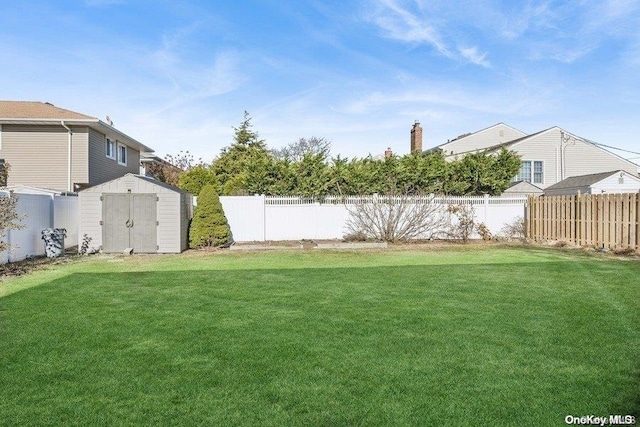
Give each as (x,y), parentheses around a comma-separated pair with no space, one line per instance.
(156,167)
(467,143)
(548,156)
(51,147)
(611,182)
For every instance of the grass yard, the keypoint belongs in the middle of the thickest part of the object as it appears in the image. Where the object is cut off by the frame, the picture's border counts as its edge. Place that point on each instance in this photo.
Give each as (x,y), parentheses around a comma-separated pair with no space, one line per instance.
(456,336)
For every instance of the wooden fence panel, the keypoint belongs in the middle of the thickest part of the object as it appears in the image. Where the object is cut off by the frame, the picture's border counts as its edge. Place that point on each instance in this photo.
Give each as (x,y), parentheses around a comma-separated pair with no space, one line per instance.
(603,220)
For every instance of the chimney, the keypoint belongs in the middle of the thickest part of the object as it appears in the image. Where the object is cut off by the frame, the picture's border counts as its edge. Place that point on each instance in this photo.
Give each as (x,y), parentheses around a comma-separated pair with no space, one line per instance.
(416,138)
(388,153)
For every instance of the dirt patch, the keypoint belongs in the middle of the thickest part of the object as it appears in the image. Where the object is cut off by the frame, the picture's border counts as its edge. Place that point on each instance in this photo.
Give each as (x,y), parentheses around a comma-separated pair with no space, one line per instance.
(19,268)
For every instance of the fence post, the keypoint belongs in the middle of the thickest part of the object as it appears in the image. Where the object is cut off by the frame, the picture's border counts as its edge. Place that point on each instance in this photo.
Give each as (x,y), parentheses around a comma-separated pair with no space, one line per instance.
(527,217)
(637,219)
(263,199)
(486,208)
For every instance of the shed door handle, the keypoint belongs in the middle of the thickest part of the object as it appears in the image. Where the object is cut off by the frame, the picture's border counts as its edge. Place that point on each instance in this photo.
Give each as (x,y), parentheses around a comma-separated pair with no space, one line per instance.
(129,223)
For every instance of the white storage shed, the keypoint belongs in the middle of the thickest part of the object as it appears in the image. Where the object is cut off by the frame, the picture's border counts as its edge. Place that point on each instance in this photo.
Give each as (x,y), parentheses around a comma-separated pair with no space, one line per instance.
(136,213)
(613,182)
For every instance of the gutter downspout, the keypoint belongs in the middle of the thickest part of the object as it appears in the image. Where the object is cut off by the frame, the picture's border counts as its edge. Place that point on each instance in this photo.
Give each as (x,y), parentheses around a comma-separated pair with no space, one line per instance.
(68,155)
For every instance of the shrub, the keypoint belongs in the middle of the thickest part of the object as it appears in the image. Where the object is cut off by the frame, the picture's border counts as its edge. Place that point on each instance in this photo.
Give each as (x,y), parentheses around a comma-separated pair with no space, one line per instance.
(514,230)
(395,217)
(355,236)
(484,232)
(463,227)
(209,227)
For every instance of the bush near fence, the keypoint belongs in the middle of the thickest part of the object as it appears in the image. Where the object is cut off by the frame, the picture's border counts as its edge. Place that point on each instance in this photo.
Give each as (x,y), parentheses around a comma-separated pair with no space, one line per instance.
(609,221)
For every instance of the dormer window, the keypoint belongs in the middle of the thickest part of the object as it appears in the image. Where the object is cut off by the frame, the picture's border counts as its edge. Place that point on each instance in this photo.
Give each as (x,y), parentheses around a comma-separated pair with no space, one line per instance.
(110,148)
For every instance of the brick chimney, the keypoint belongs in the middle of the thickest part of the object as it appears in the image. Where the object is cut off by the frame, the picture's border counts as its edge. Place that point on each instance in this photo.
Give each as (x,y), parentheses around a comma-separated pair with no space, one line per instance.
(388,153)
(416,138)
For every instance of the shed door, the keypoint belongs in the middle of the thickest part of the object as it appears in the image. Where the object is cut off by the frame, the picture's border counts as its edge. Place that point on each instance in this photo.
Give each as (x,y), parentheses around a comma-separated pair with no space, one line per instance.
(129,221)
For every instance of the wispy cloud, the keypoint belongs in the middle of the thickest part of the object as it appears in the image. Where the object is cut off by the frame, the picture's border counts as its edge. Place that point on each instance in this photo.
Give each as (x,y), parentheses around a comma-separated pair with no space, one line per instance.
(408,22)
(399,23)
(475,57)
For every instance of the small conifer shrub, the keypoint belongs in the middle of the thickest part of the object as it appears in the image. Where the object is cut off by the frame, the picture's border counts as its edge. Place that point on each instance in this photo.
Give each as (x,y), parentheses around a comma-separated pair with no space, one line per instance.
(209,227)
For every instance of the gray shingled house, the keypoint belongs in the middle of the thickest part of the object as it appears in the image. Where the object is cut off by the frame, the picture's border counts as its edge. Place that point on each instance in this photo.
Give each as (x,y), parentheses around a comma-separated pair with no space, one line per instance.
(62,150)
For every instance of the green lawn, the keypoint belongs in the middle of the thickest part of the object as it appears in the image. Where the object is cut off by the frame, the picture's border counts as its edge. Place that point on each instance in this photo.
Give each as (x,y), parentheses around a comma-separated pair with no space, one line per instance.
(458,336)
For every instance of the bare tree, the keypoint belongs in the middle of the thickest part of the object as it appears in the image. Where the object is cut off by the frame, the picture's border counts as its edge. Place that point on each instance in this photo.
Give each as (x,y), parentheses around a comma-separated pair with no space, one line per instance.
(397,217)
(171,167)
(296,151)
(9,218)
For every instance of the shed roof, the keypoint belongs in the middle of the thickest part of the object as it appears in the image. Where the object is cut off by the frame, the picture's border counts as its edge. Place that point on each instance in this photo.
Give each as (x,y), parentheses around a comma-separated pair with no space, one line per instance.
(523,187)
(160,183)
(142,177)
(583,180)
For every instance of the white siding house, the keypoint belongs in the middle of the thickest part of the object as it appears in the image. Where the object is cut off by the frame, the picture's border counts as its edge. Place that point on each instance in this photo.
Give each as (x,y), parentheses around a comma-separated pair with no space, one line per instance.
(548,156)
(488,137)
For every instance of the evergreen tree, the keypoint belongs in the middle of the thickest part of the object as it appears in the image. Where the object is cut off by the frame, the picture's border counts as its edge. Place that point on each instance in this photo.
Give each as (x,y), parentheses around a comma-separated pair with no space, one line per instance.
(209,227)
(232,165)
(197,177)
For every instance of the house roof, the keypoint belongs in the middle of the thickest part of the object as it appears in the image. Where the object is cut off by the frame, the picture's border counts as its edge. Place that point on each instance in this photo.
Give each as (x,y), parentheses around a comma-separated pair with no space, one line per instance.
(37,110)
(45,113)
(584,180)
(461,137)
(516,141)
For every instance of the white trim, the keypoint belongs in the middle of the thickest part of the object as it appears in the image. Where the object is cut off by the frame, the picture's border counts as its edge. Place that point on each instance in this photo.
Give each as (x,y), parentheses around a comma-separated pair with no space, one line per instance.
(0,136)
(108,140)
(120,162)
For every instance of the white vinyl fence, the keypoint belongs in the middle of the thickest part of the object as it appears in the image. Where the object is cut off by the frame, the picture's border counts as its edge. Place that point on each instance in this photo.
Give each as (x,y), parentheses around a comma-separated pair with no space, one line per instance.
(264,218)
(39,212)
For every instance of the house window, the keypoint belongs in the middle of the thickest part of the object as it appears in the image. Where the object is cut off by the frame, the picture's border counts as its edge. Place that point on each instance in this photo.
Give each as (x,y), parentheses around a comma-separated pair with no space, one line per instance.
(531,171)
(122,155)
(110,148)
(537,173)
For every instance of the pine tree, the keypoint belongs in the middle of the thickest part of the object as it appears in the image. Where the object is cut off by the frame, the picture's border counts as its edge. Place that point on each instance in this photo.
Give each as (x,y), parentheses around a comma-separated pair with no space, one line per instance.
(209,227)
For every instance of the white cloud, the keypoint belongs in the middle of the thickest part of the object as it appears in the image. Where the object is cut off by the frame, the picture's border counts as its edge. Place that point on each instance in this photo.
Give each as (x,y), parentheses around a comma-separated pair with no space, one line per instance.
(414,23)
(400,24)
(475,57)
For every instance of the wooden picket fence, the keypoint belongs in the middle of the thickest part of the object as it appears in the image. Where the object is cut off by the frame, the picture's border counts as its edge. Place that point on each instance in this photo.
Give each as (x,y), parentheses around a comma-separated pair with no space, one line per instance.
(603,221)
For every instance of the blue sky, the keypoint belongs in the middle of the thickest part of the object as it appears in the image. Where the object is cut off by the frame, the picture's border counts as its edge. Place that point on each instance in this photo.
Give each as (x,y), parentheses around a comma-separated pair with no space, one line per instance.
(177,75)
